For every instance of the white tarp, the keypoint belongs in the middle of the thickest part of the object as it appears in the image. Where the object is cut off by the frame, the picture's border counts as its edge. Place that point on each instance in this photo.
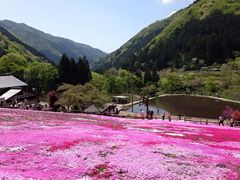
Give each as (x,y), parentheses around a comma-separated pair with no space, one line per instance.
(10,94)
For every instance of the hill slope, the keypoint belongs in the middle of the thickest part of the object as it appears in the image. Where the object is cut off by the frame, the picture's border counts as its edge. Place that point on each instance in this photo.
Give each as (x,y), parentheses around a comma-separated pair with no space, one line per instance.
(25,63)
(134,45)
(12,38)
(52,47)
(9,44)
(207,31)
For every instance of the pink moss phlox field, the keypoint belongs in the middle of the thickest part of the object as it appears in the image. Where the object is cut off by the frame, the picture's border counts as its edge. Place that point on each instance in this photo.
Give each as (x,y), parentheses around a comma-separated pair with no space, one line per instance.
(45,145)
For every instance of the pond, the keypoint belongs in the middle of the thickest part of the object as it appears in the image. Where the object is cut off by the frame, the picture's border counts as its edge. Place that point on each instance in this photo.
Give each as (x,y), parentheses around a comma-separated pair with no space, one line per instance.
(192,106)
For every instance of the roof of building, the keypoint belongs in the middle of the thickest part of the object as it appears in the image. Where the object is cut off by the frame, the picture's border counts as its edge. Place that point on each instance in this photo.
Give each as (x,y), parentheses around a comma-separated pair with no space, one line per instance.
(10,81)
(10,93)
(93,109)
(121,97)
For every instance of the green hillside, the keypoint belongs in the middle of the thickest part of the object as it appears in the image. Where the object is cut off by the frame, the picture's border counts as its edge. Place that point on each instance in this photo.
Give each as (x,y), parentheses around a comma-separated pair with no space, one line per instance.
(9,44)
(133,46)
(51,46)
(25,63)
(200,10)
(207,32)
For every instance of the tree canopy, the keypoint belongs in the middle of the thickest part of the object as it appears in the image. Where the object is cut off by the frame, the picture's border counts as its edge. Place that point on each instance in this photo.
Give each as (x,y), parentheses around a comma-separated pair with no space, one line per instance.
(71,72)
(81,97)
(41,76)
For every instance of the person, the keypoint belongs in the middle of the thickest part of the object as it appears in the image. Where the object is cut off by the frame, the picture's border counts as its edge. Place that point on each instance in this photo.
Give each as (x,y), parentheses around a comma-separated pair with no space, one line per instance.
(148,114)
(206,121)
(179,117)
(221,120)
(142,114)
(45,107)
(232,122)
(169,117)
(163,116)
(117,111)
(184,118)
(151,114)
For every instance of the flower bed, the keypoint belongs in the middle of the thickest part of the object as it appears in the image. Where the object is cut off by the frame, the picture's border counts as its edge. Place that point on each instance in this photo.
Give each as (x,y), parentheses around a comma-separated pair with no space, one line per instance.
(47,145)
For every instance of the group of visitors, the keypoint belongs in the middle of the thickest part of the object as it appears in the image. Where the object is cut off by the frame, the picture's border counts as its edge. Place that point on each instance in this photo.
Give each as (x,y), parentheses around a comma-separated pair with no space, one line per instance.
(150,115)
(166,115)
(232,122)
(25,104)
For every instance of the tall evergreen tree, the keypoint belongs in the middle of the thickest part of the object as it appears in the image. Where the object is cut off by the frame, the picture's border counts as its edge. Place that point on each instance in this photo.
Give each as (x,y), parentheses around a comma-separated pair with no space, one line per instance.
(74,72)
(64,69)
(80,71)
(84,73)
(87,70)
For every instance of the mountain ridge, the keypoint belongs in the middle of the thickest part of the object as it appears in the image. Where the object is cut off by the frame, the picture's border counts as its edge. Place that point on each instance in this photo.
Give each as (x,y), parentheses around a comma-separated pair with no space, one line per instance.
(51,46)
(134,40)
(12,38)
(169,45)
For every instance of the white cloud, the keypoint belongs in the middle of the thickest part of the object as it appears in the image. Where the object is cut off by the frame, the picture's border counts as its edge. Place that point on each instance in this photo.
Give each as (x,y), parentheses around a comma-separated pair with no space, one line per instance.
(168,1)
(173,1)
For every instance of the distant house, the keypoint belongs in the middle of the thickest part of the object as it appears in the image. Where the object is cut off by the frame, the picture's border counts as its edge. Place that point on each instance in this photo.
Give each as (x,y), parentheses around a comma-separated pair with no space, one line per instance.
(12,88)
(120,99)
(93,109)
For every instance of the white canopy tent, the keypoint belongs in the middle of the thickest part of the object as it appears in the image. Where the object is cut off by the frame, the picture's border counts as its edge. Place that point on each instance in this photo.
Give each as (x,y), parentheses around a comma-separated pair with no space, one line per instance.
(10,93)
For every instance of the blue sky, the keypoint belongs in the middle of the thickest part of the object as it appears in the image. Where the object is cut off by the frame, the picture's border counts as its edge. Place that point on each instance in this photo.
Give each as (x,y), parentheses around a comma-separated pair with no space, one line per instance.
(104,24)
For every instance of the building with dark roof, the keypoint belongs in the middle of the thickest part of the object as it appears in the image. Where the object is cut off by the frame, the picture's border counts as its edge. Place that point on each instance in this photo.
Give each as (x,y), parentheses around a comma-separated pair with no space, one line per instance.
(9,81)
(93,109)
(12,88)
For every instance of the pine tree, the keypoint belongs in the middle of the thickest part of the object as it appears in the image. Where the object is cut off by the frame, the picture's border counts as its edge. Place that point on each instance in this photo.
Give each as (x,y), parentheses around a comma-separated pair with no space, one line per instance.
(64,69)
(74,72)
(84,73)
(87,70)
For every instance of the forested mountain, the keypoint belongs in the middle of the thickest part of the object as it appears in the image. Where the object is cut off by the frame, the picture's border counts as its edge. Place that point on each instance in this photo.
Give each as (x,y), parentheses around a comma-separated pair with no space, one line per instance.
(134,45)
(202,34)
(25,63)
(51,46)
(11,44)
(12,38)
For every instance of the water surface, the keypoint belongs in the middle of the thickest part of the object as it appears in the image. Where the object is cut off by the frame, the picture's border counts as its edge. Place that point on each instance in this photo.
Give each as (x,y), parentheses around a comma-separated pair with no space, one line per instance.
(193,106)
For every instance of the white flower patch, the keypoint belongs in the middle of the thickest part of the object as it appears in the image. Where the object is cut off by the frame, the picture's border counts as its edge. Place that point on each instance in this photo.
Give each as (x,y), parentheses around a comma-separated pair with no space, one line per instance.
(85,178)
(236,155)
(194,143)
(121,137)
(145,129)
(190,133)
(6,127)
(84,119)
(155,130)
(15,149)
(175,134)
(98,136)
